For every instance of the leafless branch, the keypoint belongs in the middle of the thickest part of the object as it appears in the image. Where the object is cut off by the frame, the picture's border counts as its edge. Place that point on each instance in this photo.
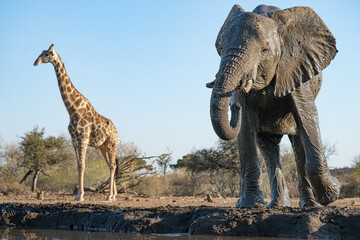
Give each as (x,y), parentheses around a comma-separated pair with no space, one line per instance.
(127,174)
(26,175)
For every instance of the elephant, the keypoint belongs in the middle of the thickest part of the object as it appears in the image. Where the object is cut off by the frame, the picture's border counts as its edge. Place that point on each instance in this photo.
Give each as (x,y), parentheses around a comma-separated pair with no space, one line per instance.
(269,77)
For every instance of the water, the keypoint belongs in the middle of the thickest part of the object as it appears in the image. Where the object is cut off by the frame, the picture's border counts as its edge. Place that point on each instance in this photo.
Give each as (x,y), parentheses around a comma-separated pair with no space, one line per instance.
(51,234)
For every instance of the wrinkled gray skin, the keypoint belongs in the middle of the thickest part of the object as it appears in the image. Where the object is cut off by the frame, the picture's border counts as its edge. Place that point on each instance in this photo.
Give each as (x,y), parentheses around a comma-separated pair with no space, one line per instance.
(270,75)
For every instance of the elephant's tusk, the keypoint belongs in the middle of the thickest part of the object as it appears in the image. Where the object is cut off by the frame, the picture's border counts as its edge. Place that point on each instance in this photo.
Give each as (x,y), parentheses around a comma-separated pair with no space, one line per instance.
(248,86)
(210,84)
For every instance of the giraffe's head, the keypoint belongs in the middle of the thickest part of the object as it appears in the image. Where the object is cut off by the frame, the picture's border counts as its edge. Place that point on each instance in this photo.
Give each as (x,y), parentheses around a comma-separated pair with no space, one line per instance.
(46,56)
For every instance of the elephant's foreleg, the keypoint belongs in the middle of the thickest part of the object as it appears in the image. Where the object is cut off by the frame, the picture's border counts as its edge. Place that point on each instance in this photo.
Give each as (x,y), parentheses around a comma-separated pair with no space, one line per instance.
(269,147)
(251,194)
(307,198)
(326,188)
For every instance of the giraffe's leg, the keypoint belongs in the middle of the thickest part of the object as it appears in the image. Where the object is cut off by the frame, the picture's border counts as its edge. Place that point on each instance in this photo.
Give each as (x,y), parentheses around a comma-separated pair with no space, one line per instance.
(113,146)
(114,186)
(110,160)
(80,150)
(112,167)
(115,190)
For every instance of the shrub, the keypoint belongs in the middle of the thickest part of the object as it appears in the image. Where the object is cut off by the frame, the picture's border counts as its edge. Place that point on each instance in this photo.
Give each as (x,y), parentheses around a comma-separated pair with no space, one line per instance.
(12,189)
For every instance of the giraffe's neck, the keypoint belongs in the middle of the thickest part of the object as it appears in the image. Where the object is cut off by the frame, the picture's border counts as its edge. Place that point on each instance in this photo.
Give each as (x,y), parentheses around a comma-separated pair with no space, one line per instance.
(72,98)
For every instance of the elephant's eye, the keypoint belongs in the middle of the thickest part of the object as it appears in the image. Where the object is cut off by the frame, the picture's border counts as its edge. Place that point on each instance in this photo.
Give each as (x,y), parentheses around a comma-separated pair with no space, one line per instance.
(264,51)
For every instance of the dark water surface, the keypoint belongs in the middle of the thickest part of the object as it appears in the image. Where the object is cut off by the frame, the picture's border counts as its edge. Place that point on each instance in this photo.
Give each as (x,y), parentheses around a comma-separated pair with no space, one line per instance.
(51,234)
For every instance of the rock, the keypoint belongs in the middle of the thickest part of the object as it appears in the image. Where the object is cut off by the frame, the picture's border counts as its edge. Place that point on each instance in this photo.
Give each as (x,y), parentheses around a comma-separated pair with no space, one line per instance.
(40,195)
(209,198)
(216,195)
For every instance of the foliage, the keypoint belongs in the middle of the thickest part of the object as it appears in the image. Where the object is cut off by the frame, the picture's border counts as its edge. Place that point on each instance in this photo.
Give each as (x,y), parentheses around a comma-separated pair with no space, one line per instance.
(10,158)
(151,186)
(220,166)
(2,152)
(288,165)
(13,189)
(224,156)
(352,188)
(178,183)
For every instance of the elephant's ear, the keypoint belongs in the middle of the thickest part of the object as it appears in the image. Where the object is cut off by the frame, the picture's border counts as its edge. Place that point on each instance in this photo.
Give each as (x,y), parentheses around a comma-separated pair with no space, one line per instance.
(307,47)
(235,10)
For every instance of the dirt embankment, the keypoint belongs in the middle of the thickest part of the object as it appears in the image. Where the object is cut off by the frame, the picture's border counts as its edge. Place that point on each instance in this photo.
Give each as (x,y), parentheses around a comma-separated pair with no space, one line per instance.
(335,222)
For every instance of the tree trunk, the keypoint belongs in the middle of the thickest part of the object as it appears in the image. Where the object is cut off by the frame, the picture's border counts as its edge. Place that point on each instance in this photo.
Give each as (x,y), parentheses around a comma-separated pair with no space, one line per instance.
(193,183)
(35,178)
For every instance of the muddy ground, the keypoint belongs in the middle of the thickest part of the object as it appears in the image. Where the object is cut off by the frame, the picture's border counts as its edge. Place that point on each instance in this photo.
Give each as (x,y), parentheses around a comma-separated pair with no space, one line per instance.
(188,215)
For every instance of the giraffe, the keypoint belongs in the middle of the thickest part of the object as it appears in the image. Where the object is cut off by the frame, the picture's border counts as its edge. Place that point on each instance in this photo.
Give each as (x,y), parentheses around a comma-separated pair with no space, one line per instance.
(86,127)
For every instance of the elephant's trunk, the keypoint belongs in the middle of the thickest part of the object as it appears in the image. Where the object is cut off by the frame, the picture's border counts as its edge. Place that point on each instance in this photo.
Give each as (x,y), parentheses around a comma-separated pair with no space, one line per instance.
(219,107)
(234,74)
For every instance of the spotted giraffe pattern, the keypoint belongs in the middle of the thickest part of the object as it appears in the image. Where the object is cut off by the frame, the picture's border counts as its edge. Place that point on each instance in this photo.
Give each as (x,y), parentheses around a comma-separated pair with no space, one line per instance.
(86,127)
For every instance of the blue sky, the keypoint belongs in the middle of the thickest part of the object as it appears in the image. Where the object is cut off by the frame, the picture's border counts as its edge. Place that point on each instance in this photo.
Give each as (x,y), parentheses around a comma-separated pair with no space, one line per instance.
(144,65)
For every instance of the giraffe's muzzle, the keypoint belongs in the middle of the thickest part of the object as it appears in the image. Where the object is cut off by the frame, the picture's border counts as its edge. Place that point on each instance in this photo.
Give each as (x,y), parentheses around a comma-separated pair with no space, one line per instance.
(37,62)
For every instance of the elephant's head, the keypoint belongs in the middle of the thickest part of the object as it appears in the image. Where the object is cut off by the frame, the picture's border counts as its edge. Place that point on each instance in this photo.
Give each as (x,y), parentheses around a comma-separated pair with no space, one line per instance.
(268,46)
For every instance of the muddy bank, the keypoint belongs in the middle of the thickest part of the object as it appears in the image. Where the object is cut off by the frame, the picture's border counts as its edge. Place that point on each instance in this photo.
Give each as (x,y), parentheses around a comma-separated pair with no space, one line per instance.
(319,223)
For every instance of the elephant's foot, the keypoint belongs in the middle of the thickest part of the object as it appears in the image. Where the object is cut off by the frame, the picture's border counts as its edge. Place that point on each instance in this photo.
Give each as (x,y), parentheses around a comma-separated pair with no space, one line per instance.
(251,200)
(280,194)
(326,190)
(79,197)
(281,200)
(307,198)
(309,202)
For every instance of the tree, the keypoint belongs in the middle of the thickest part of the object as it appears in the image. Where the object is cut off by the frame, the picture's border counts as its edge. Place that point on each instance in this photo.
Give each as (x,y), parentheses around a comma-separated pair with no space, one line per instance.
(164,161)
(220,164)
(2,152)
(10,156)
(38,153)
(329,150)
(224,156)
(352,188)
